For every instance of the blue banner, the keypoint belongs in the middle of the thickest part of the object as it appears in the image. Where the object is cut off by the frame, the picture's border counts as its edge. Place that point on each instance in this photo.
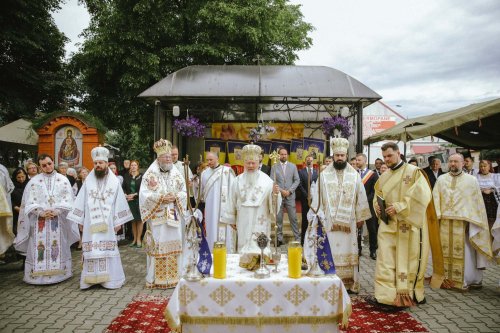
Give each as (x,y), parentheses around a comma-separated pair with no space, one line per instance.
(234,150)
(216,146)
(276,144)
(315,147)
(324,253)
(266,148)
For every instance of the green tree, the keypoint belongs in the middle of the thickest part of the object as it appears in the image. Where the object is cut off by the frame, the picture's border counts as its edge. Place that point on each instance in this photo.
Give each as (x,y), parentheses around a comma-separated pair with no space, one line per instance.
(33,76)
(131,44)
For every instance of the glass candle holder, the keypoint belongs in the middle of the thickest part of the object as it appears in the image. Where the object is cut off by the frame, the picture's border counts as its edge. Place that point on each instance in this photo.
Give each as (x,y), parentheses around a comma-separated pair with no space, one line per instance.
(219,253)
(294,260)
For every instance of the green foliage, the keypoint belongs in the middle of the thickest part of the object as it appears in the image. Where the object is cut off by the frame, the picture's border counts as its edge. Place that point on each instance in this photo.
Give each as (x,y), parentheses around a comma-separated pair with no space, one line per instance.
(87,118)
(132,145)
(131,44)
(33,76)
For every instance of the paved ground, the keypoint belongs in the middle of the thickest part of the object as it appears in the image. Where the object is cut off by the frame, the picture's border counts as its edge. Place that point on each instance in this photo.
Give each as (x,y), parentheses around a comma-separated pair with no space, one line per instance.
(65,308)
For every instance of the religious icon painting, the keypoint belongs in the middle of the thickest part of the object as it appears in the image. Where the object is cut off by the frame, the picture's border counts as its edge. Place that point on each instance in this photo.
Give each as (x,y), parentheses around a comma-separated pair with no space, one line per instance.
(54,250)
(54,224)
(102,265)
(68,146)
(90,265)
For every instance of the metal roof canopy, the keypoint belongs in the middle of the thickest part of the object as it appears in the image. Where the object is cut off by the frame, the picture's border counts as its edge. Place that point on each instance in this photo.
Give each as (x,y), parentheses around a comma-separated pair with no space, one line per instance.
(238,84)
(474,126)
(218,93)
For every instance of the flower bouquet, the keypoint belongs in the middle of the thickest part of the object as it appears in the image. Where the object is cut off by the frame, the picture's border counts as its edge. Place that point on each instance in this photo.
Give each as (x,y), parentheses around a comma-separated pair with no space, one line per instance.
(190,127)
(260,132)
(336,127)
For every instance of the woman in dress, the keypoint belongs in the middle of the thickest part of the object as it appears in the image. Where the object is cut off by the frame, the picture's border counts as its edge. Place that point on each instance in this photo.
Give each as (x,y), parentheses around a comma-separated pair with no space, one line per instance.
(490,187)
(20,179)
(131,186)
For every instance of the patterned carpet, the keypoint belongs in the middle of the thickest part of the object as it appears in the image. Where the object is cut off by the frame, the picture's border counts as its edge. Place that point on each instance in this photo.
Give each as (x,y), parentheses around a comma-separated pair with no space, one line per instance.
(366,318)
(145,315)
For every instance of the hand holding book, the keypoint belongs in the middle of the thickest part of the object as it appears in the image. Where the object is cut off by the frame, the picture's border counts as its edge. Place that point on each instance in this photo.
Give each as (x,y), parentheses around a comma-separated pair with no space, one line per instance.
(383,215)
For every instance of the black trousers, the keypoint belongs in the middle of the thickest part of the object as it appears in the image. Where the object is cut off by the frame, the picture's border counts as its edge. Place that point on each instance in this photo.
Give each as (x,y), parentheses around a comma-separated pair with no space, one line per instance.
(372,226)
(304,224)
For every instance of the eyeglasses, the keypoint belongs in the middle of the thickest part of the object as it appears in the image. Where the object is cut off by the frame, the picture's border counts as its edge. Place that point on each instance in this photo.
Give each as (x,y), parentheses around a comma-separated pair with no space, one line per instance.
(45,164)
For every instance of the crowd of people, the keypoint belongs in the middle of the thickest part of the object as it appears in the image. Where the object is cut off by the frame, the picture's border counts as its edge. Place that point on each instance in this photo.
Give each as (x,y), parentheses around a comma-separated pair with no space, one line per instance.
(422,224)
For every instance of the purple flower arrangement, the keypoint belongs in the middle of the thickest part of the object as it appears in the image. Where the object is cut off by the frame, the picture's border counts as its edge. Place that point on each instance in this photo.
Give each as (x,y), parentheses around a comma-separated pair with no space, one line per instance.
(260,132)
(190,127)
(338,123)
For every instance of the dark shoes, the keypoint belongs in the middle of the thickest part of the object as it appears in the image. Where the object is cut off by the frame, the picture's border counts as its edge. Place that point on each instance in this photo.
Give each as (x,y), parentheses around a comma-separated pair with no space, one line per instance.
(373,255)
(383,307)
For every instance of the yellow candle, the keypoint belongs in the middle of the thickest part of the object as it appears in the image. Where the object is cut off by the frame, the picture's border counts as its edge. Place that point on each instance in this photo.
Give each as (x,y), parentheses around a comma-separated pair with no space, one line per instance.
(219,260)
(294,260)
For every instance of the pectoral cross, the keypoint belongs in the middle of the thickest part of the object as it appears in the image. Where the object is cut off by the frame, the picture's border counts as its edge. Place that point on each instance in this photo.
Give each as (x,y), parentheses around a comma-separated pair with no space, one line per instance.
(403,277)
(407,179)
(404,228)
(51,200)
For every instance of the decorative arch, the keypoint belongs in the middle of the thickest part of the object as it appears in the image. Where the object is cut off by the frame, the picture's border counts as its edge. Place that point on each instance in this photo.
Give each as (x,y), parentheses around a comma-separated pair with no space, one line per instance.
(91,137)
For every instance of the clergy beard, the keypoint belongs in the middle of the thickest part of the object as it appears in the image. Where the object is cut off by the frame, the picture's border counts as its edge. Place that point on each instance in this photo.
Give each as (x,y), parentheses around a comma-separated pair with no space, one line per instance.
(455,171)
(100,173)
(251,177)
(166,166)
(339,165)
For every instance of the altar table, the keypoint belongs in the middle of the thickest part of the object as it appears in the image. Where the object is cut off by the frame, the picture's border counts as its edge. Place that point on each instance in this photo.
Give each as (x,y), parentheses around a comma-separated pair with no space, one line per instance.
(241,303)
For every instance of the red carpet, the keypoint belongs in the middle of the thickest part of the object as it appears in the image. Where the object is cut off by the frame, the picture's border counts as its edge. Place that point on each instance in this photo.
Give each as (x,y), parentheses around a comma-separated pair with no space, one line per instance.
(366,318)
(145,314)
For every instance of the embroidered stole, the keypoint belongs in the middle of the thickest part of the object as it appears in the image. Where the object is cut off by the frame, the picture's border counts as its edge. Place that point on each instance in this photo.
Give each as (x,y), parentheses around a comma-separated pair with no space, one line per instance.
(100,202)
(47,242)
(340,197)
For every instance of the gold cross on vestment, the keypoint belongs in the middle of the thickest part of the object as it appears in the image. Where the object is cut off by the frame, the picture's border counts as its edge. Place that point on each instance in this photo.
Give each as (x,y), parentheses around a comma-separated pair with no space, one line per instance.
(407,179)
(403,276)
(261,220)
(404,228)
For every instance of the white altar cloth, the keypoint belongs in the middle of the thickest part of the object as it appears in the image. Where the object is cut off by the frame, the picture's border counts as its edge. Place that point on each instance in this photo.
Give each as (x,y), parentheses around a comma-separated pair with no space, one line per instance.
(241,303)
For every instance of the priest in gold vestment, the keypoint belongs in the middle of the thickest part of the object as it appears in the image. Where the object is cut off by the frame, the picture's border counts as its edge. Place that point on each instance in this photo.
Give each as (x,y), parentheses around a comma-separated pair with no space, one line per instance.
(464,231)
(403,242)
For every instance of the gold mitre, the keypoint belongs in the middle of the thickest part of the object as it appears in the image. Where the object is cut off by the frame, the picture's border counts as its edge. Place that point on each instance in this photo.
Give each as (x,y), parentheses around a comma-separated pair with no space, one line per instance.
(251,152)
(162,147)
(339,145)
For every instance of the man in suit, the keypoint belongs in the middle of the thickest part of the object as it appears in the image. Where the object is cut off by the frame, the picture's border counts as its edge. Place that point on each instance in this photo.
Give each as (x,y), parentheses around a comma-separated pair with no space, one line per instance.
(262,167)
(378,164)
(307,176)
(287,178)
(369,178)
(433,171)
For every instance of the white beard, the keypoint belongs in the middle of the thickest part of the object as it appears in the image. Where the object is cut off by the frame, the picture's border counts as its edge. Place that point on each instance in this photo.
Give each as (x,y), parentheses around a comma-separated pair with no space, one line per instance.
(166,166)
(251,177)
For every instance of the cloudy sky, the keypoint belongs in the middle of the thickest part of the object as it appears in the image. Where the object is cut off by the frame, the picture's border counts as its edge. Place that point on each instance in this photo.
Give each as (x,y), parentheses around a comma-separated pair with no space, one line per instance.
(422,56)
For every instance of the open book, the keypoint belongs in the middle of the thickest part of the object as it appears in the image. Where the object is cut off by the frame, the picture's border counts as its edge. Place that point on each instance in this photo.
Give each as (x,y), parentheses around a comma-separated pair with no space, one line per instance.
(383,215)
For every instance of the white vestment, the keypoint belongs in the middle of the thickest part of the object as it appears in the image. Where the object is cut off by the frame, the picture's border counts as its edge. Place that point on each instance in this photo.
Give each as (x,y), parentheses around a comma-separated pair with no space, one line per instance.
(101,206)
(252,210)
(343,203)
(163,238)
(215,186)
(46,241)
